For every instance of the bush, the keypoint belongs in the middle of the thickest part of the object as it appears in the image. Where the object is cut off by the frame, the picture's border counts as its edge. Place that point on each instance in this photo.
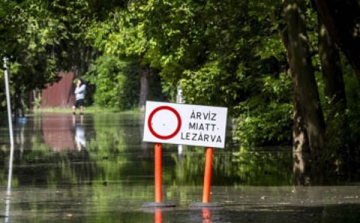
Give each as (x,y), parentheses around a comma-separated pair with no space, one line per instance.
(266,119)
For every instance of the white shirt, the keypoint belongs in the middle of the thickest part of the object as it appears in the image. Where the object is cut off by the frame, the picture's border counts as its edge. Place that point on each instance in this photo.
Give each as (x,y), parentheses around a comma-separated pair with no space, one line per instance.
(80,92)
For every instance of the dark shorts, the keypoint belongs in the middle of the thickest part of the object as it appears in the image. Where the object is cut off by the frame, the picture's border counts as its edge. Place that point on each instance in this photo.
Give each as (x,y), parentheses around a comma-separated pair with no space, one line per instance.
(79,103)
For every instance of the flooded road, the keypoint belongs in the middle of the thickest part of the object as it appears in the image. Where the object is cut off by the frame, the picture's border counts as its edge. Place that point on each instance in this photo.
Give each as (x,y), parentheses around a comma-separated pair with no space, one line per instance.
(96,169)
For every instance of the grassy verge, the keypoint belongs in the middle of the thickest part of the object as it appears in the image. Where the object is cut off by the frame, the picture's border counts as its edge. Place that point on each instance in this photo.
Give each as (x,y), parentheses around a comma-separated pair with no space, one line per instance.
(91,110)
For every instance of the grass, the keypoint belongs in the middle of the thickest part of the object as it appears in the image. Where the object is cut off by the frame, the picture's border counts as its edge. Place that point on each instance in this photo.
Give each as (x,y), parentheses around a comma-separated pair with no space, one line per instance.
(89,110)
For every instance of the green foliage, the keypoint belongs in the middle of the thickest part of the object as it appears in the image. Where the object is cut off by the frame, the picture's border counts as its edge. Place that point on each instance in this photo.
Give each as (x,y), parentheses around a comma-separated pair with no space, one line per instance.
(268,125)
(352,88)
(117,82)
(211,85)
(266,118)
(226,53)
(32,38)
(123,35)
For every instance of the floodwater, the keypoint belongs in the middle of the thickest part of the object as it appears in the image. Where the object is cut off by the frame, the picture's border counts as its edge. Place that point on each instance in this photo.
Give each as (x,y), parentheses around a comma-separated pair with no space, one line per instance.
(96,169)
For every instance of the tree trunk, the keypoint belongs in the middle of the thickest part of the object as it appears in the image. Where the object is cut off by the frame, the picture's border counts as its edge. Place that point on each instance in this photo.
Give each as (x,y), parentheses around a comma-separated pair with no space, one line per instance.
(338,134)
(331,69)
(302,169)
(306,96)
(300,138)
(342,21)
(144,87)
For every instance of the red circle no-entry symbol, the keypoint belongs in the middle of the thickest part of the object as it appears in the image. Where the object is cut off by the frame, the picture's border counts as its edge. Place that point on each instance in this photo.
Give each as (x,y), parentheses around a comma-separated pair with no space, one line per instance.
(164,137)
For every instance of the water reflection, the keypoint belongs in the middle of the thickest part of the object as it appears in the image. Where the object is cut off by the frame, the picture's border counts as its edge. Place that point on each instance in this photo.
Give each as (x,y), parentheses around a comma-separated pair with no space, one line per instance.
(8,189)
(57,131)
(206,215)
(80,139)
(19,135)
(54,145)
(158,215)
(53,173)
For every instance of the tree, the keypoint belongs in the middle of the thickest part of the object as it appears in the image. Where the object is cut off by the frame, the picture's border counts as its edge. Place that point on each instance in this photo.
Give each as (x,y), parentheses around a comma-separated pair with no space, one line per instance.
(117,82)
(334,90)
(41,38)
(341,19)
(28,35)
(123,34)
(309,118)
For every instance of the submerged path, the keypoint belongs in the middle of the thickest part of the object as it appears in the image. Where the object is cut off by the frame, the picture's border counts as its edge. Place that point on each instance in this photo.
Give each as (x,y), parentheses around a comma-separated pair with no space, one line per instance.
(96,169)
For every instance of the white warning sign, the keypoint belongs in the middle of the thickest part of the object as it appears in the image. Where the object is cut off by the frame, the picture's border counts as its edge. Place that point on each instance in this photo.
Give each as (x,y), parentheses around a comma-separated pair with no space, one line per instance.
(184,124)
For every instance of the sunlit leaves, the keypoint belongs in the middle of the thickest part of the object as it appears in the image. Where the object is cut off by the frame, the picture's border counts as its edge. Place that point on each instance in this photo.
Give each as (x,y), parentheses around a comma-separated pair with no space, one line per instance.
(116,81)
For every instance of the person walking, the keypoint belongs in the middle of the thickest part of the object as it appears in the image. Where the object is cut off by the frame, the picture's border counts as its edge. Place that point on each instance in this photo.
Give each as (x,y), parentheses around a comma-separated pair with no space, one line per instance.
(79,96)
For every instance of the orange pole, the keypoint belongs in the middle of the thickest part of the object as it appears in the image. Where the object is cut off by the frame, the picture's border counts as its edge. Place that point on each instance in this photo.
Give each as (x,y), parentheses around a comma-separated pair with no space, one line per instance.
(158,216)
(158,192)
(207,176)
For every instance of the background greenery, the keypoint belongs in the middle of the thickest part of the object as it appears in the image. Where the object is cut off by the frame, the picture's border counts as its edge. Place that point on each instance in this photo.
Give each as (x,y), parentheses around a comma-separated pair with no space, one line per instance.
(224,53)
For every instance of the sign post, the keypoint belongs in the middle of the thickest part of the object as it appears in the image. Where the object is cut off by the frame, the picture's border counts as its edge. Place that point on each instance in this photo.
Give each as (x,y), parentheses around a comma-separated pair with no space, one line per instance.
(158,182)
(184,124)
(180,100)
(8,101)
(158,189)
(207,175)
(8,191)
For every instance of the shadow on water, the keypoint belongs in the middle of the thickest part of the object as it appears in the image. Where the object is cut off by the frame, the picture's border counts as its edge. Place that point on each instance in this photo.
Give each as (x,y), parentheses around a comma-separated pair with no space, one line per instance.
(95,168)
(336,171)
